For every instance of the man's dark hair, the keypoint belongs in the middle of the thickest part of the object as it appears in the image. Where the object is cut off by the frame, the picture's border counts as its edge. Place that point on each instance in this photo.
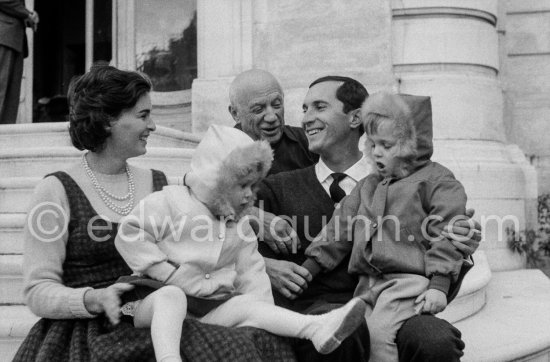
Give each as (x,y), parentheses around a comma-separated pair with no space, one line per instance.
(351,92)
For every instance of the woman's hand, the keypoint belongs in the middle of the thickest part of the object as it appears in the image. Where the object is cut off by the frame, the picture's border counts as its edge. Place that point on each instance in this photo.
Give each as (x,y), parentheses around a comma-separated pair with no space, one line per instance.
(106,300)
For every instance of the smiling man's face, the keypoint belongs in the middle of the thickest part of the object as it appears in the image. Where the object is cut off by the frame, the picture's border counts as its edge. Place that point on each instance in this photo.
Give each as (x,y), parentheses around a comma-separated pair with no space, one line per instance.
(260,108)
(325,123)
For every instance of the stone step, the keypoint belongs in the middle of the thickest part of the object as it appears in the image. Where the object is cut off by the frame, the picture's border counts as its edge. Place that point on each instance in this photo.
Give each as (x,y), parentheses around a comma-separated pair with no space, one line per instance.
(16,192)
(513,325)
(57,135)
(11,233)
(11,279)
(37,162)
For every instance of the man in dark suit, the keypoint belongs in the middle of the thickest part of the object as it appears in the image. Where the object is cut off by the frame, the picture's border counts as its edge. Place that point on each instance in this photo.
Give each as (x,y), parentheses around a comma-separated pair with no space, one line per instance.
(307,198)
(14,17)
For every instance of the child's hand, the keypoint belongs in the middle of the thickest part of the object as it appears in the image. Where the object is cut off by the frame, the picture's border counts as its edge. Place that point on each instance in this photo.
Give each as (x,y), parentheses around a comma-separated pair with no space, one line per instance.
(434,300)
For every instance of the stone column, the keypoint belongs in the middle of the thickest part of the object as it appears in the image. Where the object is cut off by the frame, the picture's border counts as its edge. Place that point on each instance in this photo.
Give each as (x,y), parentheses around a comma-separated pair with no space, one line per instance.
(449,51)
(526,56)
(224,49)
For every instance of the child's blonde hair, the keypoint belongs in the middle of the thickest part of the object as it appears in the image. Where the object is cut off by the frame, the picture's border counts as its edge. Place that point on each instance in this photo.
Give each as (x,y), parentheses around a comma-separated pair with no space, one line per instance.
(385,107)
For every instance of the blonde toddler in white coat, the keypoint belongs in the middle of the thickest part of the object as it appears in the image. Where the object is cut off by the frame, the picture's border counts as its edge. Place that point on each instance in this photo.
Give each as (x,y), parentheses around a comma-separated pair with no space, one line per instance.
(198,242)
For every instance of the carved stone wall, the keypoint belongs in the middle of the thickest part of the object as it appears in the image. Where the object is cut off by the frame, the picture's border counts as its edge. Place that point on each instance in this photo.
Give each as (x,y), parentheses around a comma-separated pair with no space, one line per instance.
(526,79)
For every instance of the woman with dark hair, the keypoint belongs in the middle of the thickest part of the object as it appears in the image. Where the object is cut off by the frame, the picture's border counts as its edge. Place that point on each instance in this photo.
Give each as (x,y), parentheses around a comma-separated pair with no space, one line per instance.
(70,262)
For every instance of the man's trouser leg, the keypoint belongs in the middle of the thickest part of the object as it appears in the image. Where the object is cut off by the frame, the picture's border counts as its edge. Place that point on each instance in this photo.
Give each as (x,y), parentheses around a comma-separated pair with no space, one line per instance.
(11,71)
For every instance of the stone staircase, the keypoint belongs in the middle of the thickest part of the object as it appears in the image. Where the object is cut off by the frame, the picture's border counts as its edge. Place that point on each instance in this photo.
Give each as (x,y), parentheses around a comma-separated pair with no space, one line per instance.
(502,315)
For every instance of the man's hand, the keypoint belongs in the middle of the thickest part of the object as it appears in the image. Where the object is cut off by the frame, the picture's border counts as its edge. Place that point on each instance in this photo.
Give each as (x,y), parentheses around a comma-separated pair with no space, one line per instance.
(287,278)
(32,20)
(465,234)
(275,231)
(434,300)
(279,235)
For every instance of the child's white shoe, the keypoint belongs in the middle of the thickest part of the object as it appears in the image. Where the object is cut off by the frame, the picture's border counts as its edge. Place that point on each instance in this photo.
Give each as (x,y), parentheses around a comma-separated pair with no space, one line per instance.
(337,325)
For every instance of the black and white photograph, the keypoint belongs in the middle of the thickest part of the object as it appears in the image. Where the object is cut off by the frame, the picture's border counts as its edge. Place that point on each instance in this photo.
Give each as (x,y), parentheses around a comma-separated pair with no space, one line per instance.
(272,180)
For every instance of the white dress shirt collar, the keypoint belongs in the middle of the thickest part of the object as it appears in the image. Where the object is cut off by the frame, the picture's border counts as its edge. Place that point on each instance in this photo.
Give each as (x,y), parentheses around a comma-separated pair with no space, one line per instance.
(354,174)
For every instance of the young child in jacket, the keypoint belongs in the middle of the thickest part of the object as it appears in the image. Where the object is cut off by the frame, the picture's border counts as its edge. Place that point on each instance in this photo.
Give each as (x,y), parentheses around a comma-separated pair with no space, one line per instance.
(197,245)
(392,223)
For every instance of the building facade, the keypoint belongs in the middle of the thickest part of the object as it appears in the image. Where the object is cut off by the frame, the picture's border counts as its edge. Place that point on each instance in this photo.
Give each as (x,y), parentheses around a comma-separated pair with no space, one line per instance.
(177,41)
(483,62)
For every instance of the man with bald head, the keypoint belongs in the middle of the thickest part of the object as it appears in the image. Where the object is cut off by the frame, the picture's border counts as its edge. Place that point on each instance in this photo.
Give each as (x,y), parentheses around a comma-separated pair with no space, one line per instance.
(257,105)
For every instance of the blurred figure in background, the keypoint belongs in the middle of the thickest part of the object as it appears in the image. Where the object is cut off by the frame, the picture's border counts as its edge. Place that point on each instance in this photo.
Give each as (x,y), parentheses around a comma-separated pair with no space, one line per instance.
(54,109)
(14,17)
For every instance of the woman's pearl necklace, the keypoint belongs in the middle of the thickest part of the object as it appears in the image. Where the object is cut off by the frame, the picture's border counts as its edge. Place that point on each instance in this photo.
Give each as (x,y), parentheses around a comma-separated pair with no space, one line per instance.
(108,197)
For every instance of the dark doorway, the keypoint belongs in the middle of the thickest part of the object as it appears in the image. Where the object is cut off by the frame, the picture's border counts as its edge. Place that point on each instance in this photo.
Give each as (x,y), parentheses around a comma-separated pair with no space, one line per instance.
(59,49)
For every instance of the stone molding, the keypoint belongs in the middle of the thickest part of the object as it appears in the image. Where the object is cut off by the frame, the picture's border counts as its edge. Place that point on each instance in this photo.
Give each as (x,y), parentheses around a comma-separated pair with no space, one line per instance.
(446,12)
(224,37)
(56,134)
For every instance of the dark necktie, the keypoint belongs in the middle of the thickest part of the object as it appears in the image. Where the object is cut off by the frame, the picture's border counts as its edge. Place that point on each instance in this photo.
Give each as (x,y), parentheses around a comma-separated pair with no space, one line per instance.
(336,192)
